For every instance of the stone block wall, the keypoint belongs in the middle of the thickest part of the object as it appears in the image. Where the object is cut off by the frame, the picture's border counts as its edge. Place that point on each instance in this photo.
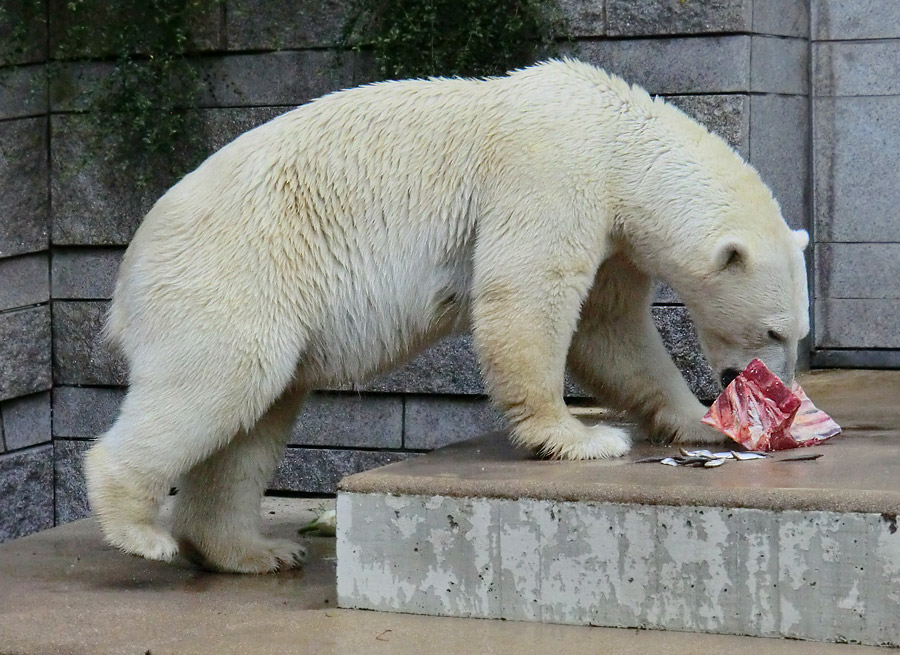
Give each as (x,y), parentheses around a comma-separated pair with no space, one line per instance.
(26,453)
(739,66)
(856,132)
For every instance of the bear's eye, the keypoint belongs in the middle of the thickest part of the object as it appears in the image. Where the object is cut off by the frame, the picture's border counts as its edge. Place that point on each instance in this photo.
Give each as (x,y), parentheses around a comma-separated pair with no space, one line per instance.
(775,336)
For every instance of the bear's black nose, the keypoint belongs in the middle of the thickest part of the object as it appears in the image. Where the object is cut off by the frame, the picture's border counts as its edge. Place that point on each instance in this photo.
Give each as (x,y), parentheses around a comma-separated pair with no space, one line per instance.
(728,376)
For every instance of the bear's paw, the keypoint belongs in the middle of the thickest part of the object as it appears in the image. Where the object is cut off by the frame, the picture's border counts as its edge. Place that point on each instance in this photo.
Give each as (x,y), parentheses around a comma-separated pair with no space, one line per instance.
(257,556)
(589,442)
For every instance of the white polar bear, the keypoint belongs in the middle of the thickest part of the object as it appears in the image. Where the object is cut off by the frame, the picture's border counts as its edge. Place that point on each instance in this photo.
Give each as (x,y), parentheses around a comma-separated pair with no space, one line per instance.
(341,238)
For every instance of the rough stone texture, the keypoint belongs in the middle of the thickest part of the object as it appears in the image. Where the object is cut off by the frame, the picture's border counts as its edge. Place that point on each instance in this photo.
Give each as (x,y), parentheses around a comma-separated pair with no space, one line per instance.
(726,115)
(23,186)
(653,17)
(84,412)
(71,492)
(85,273)
(24,352)
(206,32)
(784,18)
(853,68)
(26,490)
(350,420)
(585,17)
(858,270)
(854,19)
(25,281)
(221,126)
(72,83)
(80,355)
(450,367)
(857,323)
(857,180)
(282,24)
(26,420)
(433,422)
(32,46)
(779,65)
(760,64)
(779,149)
(24,91)
(318,470)
(809,575)
(678,65)
(96,203)
(678,333)
(665,295)
(245,80)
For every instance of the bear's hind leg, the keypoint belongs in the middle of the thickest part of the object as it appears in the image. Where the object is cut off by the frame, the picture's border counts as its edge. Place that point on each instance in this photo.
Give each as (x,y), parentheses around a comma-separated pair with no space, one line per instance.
(217,509)
(161,432)
(126,505)
(169,422)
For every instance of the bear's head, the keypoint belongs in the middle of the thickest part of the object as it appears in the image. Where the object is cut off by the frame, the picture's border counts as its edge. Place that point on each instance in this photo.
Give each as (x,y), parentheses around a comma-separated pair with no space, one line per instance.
(755,302)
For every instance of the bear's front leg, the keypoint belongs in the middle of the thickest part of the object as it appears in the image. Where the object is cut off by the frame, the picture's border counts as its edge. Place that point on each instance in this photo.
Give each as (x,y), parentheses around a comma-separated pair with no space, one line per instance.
(618,355)
(522,329)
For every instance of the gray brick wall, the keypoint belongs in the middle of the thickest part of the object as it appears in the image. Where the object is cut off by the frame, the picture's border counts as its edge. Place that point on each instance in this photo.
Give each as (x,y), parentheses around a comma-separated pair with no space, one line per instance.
(26,457)
(856,136)
(739,66)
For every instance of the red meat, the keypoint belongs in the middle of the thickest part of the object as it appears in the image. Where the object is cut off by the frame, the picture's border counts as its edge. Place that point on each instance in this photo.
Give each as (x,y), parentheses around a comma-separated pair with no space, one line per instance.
(759,412)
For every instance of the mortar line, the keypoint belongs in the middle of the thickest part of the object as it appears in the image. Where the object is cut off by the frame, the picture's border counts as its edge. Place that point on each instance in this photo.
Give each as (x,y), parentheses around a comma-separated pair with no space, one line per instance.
(48,131)
(812,273)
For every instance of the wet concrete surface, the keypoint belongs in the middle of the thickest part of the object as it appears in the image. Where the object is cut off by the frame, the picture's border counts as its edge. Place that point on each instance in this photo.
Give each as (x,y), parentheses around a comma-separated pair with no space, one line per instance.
(64,591)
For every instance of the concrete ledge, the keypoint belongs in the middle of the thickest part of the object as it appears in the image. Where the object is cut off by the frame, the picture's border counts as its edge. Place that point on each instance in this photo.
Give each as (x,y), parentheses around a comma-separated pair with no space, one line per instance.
(808,575)
(770,548)
(857,474)
(806,550)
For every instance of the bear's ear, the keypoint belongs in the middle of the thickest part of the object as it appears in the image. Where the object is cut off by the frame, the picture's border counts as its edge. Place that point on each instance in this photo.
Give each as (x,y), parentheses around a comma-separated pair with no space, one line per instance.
(801,238)
(731,253)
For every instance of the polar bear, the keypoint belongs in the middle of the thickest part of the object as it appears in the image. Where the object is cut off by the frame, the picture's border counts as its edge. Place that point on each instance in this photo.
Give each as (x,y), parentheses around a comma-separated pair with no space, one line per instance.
(340,238)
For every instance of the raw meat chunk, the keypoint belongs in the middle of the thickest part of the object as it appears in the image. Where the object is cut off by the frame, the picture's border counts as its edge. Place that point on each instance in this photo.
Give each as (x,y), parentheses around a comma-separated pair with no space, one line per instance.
(759,412)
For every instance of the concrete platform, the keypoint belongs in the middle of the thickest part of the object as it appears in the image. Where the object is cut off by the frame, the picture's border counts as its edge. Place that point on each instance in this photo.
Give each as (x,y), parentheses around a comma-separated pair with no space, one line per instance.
(63,592)
(806,550)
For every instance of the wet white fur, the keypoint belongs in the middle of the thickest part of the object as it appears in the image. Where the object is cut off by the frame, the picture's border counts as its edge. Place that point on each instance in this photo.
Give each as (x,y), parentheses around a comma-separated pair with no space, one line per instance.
(342,237)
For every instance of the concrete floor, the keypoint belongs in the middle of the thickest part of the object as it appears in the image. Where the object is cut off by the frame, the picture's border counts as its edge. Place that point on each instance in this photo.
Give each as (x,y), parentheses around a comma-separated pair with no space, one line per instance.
(64,591)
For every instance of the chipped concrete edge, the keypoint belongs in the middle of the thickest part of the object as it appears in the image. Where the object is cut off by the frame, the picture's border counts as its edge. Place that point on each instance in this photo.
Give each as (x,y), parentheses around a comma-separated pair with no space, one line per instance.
(817,575)
(385,481)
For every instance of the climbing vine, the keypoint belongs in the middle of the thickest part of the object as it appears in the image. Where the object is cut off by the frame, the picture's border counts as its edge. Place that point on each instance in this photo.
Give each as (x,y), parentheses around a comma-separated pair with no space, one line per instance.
(138,90)
(140,84)
(422,38)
